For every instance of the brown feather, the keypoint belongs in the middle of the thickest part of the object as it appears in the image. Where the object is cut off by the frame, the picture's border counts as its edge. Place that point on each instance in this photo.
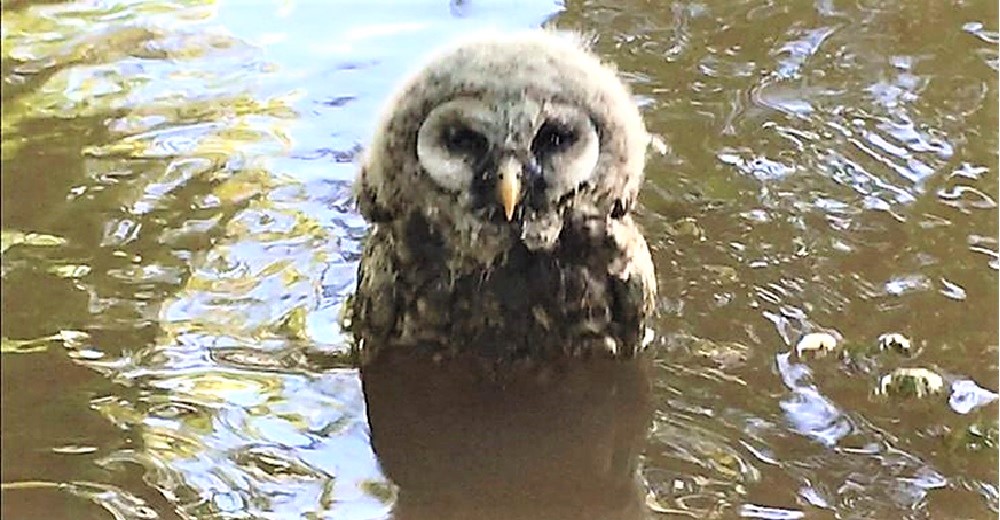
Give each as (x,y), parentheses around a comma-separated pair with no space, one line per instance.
(439,280)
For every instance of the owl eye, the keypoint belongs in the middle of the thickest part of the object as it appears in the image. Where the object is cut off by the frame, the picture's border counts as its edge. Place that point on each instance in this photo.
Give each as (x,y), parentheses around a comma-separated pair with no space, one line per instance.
(459,139)
(553,137)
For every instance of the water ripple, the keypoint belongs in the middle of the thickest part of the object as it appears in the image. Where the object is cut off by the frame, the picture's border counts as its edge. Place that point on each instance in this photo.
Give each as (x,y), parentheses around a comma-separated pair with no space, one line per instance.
(829,167)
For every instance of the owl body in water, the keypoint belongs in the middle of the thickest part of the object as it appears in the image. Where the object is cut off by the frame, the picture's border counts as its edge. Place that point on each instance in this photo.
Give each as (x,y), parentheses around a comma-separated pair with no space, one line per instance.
(500,185)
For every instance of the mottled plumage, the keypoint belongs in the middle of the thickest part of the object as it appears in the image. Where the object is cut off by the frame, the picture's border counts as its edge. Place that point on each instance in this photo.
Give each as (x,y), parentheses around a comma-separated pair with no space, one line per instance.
(500,184)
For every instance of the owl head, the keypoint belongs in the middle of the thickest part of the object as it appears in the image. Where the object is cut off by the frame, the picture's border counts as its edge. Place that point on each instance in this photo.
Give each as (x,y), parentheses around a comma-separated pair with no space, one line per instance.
(504,139)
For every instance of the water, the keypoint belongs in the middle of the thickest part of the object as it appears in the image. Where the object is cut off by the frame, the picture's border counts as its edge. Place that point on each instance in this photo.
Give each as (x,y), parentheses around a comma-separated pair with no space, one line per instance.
(178,240)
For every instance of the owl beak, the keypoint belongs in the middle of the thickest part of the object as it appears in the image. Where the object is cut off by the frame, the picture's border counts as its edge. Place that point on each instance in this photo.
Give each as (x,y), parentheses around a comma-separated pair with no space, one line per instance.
(509,186)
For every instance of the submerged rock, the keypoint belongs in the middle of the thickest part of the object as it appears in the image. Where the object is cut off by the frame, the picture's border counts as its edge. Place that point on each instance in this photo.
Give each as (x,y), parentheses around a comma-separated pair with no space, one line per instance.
(911,382)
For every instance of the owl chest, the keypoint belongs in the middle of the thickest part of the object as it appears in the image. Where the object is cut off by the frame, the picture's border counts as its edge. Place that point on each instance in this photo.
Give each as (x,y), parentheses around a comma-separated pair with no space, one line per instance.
(521,306)
(529,304)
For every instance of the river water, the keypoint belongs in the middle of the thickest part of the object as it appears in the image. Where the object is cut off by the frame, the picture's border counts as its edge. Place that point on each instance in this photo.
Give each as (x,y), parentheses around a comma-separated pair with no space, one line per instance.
(178,239)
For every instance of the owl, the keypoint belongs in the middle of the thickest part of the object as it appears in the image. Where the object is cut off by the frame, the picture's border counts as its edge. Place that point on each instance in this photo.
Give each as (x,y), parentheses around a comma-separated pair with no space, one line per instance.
(500,186)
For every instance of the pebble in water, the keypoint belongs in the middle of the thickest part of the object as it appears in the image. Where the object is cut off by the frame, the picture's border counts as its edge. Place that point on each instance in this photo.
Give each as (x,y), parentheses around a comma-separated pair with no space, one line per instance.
(818,343)
(896,342)
(915,382)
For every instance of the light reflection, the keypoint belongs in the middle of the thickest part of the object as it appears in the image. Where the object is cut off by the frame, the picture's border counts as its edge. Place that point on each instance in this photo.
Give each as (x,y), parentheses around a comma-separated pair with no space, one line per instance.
(208,240)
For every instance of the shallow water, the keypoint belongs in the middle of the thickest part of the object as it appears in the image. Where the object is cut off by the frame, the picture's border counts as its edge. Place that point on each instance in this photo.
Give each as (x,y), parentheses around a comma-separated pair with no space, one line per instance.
(178,239)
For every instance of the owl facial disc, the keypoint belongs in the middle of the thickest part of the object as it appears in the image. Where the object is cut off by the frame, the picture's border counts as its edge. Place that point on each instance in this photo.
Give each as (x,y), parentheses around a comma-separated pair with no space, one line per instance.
(509,156)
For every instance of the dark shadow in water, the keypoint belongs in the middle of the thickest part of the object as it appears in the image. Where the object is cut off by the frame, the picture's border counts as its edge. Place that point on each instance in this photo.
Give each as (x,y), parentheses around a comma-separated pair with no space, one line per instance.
(563,443)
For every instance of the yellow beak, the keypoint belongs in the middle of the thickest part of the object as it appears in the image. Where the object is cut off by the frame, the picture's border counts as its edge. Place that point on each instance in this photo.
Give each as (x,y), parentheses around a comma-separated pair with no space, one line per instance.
(509,185)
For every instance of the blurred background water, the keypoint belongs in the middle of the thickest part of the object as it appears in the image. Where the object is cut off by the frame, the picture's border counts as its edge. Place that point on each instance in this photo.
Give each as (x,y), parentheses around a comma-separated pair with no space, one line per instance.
(178,238)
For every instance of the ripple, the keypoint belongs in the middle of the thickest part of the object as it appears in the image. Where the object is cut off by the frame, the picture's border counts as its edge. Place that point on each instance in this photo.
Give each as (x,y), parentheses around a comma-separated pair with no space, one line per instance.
(952,290)
(771,513)
(798,51)
(116,501)
(901,285)
(761,168)
(967,395)
(964,198)
(835,162)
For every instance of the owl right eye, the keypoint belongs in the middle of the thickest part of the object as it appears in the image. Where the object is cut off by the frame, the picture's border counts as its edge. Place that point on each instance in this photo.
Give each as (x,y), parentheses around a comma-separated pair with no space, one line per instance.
(553,137)
(459,139)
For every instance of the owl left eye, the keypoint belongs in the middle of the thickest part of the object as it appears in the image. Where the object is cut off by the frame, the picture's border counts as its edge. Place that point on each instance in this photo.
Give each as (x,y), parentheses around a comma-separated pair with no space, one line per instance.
(458,139)
(553,137)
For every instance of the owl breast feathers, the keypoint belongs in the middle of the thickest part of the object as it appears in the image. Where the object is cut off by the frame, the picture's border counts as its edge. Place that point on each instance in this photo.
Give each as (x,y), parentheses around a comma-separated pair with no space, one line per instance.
(499,186)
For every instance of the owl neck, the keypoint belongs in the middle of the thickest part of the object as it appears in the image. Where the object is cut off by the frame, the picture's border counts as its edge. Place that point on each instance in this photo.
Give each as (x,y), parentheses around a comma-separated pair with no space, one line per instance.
(484,249)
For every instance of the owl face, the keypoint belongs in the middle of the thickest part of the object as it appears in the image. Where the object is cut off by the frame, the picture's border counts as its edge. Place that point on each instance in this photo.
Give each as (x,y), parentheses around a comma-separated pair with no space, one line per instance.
(514,157)
(508,134)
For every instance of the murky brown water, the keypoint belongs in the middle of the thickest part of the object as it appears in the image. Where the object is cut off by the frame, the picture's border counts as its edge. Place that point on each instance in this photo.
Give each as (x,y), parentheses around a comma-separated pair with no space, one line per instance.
(178,239)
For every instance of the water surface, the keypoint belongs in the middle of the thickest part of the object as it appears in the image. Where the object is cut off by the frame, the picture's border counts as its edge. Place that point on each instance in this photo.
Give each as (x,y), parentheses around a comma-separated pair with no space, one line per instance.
(178,239)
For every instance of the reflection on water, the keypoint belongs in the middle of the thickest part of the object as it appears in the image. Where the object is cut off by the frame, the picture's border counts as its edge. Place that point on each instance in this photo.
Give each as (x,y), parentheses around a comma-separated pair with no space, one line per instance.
(562,444)
(178,238)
